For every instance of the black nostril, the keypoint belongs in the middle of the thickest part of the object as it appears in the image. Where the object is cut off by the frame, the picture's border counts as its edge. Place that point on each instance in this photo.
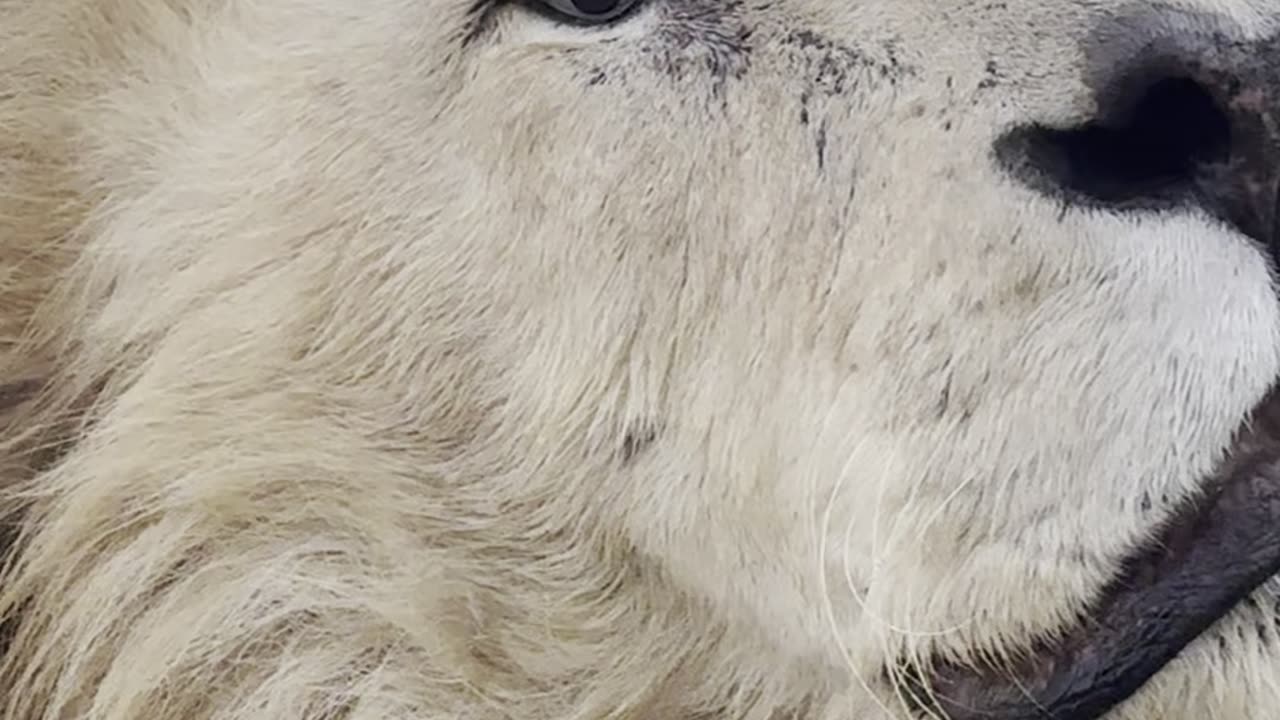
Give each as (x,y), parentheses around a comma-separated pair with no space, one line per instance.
(1148,148)
(1207,135)
(1174,128)
(1187,114)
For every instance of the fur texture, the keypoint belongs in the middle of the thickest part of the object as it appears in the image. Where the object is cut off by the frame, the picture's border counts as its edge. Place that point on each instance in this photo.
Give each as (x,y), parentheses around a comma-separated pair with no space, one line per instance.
(432,359)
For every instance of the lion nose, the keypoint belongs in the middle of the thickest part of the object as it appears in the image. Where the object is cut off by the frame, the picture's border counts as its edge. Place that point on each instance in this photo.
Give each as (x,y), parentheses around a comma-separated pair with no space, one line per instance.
(1179,121)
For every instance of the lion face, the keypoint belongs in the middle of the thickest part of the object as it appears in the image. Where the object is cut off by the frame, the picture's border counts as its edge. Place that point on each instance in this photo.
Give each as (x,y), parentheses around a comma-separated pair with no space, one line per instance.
(872,392)
(773,304)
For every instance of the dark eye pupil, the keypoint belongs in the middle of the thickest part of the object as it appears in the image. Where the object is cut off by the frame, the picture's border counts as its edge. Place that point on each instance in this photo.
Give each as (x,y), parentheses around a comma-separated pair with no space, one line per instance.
(596,7)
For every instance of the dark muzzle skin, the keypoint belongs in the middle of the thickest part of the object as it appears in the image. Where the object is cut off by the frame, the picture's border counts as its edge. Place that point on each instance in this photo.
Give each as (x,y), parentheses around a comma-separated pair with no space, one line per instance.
(1213,553)
(1221,545)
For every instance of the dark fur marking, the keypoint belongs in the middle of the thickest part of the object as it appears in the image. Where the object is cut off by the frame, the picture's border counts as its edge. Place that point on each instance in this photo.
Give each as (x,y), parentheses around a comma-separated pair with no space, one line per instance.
(479,18)
(834,68)
(636,440)
(944,398)
(702,36)
(12,396)
(821,143)
(15,393)
(991,76)
(30,458)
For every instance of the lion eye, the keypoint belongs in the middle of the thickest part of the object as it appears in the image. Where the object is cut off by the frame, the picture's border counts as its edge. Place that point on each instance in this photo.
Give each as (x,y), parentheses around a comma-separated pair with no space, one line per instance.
(590,11)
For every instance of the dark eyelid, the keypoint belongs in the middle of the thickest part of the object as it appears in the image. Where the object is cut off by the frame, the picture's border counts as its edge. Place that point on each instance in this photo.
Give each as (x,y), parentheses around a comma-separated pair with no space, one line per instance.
(480,16)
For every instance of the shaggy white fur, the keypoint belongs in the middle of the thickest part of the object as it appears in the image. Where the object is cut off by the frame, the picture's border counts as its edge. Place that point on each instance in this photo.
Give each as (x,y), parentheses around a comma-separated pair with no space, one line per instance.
(432,359)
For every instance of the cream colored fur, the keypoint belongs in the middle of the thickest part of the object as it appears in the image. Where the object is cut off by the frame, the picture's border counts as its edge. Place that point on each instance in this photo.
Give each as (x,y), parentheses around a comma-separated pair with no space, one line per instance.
(568,374)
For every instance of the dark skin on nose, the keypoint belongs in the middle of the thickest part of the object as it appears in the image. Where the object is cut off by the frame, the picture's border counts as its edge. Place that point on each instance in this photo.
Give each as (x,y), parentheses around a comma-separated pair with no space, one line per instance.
(1242,79)
(1245,189)
(1218,547)
(1257,196)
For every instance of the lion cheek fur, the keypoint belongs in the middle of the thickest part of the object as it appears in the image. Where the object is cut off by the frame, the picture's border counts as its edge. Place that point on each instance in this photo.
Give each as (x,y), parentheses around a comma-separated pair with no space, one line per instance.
(350,424)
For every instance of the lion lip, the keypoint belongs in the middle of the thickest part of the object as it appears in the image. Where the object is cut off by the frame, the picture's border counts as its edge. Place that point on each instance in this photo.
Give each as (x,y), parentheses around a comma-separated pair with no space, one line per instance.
(1212,554)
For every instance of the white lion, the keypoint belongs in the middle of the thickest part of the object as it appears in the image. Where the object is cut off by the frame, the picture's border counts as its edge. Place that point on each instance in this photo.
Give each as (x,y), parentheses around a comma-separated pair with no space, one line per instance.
(647,359)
